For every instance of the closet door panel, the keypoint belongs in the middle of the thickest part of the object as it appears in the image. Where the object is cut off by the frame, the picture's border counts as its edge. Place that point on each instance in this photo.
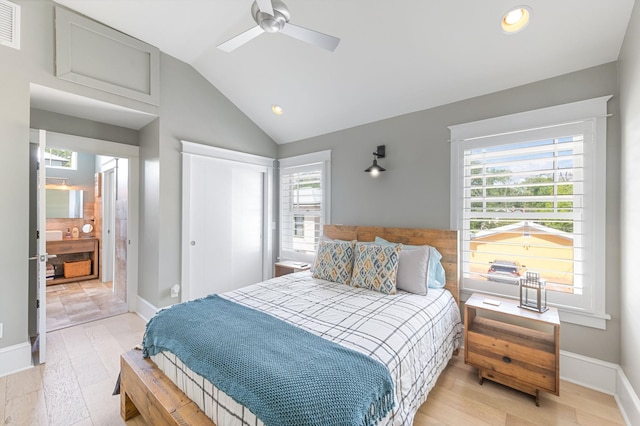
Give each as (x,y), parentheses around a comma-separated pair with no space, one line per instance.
(225,208)
(207,256)
(247,225)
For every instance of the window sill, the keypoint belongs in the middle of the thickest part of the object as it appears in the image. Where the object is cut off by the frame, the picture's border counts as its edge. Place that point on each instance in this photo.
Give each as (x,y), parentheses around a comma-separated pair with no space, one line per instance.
(598,321)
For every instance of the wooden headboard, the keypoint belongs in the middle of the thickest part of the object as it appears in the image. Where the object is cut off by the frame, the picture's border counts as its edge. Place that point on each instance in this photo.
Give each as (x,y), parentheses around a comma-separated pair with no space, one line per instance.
(446,241)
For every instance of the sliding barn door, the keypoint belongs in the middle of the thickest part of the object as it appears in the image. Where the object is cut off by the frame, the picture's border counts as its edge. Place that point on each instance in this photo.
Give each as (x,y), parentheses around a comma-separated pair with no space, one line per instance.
(224,225)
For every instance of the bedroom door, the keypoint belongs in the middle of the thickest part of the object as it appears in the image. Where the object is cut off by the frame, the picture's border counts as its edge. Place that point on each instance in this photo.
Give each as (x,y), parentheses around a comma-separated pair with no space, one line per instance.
(108,224)
(226,211)
(38,248)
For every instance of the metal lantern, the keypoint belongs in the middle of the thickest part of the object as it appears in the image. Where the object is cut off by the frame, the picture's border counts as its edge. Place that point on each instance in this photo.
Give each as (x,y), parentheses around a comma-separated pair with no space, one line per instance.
(533,294)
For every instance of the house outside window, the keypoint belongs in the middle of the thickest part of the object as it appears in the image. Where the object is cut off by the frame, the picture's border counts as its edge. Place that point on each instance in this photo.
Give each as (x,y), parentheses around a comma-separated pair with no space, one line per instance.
(57,158)
(304,204)
(298,226)
(528,194)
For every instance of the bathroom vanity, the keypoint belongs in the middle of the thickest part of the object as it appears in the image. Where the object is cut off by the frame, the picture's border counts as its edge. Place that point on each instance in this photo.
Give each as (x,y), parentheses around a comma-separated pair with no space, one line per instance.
(72,250)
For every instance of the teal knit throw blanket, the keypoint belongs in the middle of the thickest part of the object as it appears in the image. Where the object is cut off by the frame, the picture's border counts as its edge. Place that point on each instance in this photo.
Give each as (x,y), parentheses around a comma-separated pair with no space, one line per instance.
(283,374)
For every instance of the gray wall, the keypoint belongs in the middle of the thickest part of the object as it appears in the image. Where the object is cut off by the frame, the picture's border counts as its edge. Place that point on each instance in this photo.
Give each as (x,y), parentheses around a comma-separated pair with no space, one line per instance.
(61,123)
(149,236)
(629,65)
(414,191)
(191,109)
(14,210)
(33,63)
(198,112)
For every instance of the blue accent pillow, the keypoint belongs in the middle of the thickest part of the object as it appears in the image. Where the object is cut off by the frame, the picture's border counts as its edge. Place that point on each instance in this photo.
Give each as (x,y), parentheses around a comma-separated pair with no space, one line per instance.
(334,261)
(376,267)
(435,273)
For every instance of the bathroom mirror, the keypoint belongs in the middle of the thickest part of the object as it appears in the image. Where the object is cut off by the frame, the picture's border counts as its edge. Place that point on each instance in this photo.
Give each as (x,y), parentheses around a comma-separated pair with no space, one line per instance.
(64,203)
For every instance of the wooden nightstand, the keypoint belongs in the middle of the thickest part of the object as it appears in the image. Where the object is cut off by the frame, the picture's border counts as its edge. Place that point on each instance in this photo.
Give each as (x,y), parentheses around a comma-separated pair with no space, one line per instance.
(514,346)
(289,267)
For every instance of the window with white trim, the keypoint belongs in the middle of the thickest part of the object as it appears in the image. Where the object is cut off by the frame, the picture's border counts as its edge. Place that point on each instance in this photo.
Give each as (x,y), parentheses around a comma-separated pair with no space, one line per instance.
(528,194)
(304,204)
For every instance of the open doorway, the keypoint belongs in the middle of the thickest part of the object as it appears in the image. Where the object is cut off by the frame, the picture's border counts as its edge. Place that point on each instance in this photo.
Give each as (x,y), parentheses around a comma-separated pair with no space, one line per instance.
(75,291)
(87,280)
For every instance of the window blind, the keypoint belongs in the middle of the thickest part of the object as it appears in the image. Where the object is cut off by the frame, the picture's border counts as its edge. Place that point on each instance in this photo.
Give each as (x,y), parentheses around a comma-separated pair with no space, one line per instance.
(523,209)
(301,209)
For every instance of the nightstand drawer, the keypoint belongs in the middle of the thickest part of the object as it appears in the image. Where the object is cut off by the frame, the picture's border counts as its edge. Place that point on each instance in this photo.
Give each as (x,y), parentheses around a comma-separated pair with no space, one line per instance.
(523,363)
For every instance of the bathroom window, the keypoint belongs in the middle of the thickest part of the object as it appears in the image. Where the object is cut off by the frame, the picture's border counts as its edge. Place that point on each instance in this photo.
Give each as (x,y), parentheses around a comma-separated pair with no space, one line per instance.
(57,158)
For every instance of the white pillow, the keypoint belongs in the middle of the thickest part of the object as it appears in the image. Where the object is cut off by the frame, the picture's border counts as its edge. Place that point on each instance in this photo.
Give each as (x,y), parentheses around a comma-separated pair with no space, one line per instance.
(413,268)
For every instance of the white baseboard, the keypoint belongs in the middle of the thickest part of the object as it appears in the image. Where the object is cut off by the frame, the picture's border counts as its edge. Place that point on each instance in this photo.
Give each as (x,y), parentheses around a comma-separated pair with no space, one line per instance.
(588,372)
(144,309)
(602,376)
(15,358)
(627,399)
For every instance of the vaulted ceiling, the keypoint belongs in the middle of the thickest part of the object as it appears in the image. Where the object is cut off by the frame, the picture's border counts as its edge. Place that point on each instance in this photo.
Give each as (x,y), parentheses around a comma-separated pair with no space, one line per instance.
(394,57)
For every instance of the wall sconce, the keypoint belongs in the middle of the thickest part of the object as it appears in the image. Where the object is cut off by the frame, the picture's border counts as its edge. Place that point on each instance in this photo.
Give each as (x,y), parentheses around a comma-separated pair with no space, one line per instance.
(374,169)
(57,181)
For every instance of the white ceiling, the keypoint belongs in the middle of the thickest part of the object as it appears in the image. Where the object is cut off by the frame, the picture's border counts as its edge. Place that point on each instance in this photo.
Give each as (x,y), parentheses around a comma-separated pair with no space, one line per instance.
(394,57)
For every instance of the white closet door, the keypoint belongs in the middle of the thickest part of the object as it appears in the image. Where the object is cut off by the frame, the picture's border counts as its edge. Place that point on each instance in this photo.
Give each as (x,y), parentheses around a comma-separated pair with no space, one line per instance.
(246,226)
(224,202)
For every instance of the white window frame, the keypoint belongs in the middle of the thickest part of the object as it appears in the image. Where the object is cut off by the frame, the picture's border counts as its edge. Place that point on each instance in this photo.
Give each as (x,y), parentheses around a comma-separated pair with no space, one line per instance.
(323,160)
(589,308)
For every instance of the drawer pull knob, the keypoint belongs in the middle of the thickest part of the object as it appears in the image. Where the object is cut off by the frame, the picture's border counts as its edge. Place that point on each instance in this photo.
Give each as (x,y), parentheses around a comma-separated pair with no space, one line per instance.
(506,359)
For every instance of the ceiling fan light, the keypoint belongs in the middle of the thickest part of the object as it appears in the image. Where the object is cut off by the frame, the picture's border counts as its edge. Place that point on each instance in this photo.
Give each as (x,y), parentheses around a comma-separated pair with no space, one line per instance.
(516,19)
(270,24)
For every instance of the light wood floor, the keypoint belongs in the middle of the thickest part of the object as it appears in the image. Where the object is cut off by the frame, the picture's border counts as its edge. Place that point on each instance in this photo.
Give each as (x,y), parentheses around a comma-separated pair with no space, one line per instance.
(74,387)
(458,399)
(76,303)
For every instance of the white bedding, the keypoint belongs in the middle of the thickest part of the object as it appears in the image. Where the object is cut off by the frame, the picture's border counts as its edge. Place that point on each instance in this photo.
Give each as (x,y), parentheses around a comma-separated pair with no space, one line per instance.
(413,335)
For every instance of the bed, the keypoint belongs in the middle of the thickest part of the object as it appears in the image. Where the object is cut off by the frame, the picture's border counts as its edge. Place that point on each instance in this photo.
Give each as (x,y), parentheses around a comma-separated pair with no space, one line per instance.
(166,391)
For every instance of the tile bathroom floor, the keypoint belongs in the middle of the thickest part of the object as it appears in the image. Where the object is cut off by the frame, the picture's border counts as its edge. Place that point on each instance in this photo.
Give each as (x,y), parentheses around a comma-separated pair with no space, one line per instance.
(80,302)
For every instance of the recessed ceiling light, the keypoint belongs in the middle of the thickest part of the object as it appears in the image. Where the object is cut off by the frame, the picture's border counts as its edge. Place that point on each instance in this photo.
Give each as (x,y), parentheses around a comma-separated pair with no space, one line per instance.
(516,19)
(277,109)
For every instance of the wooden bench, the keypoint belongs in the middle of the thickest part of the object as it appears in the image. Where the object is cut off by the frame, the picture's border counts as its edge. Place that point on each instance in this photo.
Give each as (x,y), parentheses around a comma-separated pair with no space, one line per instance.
(145,390)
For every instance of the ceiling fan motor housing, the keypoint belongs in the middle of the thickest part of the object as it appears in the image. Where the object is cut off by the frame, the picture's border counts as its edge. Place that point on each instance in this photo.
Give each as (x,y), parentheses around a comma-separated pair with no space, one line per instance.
(274,18)
(271,24)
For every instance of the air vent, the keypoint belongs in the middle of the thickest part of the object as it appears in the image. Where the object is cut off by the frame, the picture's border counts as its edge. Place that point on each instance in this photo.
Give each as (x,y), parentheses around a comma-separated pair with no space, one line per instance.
(9,24)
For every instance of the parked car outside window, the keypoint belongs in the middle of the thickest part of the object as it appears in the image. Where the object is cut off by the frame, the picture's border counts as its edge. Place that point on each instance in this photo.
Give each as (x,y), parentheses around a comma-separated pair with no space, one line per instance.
(506,271)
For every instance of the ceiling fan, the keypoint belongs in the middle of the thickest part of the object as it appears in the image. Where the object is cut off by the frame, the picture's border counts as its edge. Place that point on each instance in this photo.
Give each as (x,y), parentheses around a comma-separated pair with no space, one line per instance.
(272,16)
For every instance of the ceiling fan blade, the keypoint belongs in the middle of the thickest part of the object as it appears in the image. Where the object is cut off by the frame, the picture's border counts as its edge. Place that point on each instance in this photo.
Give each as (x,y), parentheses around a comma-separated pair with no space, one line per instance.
(240,39)
(265,6)
(310,36)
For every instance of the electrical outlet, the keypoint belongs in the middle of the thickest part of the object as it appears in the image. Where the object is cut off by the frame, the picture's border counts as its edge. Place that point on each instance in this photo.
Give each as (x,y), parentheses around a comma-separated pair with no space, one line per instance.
(175,291)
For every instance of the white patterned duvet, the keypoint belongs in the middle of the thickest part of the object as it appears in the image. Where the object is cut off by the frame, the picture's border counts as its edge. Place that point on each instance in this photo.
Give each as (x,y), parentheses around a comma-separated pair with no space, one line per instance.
(414,336)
